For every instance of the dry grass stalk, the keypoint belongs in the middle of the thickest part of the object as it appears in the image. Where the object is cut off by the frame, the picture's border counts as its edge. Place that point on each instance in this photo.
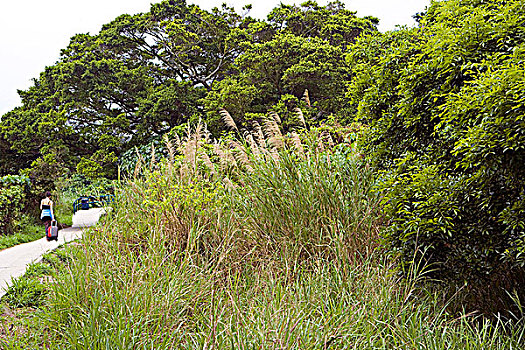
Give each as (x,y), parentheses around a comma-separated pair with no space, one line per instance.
(139,156)
(320,145)
(275,138)
(184,170)
(271,128)
(178,143)
(225,158)
(306,97)
(197,135)
(275,117)
(188,133)
(253,145)
(171,153)
(229,184)
(259,134)
(276,141)
(300,115)
(241,155)
(297,144)
(329,140)
(228,120)
(138,165)
(207,162)
(275,155)
(207,134)
(196,138)
(152,158)
(189,152)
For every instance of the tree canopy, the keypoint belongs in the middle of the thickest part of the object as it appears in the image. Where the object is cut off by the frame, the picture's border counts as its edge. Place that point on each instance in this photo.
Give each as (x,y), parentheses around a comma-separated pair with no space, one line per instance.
(445,103)
(142,75)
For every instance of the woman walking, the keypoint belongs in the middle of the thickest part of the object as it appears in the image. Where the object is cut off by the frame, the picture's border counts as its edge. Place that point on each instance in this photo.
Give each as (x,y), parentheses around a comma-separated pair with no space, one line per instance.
(46,206)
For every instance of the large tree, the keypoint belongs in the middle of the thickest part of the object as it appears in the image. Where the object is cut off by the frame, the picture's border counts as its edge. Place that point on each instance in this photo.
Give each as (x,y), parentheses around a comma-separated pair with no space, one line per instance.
(142,75)
(138,78)
(295,60)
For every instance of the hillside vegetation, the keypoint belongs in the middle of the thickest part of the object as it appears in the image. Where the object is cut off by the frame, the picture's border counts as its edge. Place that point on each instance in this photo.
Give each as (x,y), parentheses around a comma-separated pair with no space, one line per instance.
(286,256)
(301,182)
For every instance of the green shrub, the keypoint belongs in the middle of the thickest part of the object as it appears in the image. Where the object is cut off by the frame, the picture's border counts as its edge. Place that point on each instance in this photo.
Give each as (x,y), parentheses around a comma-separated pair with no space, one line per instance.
(446,104)
(12,200)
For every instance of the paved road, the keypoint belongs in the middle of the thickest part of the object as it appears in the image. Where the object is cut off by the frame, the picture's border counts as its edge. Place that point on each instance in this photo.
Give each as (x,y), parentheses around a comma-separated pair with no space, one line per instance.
(14,260)
(86,218)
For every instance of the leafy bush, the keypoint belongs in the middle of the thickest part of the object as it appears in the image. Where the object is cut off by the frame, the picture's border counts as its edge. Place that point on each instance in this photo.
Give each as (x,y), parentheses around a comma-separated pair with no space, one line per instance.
(12,197)
(446,105)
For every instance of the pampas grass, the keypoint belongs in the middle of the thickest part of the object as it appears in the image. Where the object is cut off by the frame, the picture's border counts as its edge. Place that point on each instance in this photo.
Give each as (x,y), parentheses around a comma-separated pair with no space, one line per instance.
(254,148)
(300,115)
(275,117)
(306,97)
(297,144)
(228,120)
(138,165)
(152,158)
(207,162)
(259,134)
(225,158)
(241,155)
(171,153)
(273,132)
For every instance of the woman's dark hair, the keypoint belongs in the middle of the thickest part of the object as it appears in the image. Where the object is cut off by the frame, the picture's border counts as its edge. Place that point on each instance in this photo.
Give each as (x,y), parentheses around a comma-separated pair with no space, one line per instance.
(48,194)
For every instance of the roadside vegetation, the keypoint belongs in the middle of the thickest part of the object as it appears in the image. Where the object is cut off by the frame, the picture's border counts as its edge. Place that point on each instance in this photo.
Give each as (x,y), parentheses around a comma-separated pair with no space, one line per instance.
(28,232)
(20,324)
(16,226)
(299,182)
(186,260)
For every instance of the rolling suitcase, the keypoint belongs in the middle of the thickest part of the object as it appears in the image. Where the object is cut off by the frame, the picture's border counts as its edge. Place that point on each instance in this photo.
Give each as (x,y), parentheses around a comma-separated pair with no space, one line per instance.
(52,231)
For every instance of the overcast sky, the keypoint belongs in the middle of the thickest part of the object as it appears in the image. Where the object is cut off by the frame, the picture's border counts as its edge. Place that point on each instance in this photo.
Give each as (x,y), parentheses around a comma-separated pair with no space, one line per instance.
(33,32)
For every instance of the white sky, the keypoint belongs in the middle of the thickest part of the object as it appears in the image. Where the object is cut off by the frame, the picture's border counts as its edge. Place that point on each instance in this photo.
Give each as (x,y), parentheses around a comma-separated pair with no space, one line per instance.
(32,32)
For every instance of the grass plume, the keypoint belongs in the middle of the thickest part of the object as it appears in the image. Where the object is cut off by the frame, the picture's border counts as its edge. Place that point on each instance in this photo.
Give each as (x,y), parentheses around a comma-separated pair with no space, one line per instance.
(228,120)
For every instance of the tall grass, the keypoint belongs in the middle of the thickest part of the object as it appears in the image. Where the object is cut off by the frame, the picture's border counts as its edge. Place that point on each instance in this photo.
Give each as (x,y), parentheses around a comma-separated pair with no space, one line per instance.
(319,206)
(278,252)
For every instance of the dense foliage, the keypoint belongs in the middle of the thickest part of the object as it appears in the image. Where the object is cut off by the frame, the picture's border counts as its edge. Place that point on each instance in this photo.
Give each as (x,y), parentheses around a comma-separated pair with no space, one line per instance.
(280,258)
(446,105)
(13,191)
(145,74)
